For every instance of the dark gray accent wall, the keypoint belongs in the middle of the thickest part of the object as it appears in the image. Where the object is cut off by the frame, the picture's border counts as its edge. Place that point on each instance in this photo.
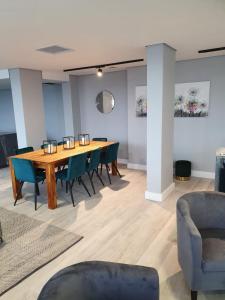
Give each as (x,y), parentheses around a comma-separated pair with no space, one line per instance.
(7,119)
(197,139)
(112,125)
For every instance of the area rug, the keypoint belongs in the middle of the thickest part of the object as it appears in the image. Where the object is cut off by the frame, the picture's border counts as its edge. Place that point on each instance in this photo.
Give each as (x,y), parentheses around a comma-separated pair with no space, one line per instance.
(28,245)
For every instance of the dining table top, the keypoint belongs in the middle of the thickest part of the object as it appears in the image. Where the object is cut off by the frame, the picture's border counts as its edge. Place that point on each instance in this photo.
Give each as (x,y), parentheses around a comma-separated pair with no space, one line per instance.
(39,156)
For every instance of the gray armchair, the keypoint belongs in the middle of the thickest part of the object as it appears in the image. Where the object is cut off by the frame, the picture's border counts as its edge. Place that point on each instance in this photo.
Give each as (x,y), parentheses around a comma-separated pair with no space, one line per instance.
(201,240)
(95,280)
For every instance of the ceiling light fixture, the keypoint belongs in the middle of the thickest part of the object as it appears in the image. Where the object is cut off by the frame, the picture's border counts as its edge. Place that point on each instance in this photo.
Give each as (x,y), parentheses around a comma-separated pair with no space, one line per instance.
(99,72)
(211,50)
(105,65)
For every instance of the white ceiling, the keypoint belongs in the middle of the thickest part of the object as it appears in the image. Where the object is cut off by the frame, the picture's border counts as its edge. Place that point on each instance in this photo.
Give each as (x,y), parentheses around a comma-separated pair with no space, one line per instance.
(102,31)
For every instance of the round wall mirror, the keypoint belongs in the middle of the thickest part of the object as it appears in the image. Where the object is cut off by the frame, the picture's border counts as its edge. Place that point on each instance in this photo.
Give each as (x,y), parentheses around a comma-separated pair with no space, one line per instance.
(105,102)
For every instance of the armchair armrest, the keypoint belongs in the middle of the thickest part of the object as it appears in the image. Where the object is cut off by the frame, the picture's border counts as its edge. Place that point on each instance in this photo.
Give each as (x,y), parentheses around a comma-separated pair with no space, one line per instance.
(189,243)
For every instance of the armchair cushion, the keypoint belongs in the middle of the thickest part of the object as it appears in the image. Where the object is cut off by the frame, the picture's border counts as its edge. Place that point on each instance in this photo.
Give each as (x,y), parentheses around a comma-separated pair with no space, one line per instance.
(213,255)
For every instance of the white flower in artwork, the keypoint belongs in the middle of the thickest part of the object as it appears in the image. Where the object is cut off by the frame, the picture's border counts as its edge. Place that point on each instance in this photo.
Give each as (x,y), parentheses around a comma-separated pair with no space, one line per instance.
(191,99)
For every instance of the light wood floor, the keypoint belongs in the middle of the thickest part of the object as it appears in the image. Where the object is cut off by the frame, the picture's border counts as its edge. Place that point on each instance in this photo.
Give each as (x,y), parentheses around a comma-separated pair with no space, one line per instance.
(118,225)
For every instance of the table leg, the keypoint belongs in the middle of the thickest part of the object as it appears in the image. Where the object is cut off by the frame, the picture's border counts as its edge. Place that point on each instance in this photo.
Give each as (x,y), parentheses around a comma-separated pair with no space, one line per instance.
(51,186)
(114,167)
(15,183)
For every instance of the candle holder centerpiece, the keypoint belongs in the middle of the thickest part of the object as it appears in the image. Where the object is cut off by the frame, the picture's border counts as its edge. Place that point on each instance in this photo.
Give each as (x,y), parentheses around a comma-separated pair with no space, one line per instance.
(84,139)
(68,142)
(49,146)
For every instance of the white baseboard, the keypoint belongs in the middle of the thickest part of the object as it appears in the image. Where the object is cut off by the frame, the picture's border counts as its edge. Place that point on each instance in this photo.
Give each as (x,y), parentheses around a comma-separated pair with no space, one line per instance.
(203,174)
(194,173)
(122,161)
(160,196)
(136,166)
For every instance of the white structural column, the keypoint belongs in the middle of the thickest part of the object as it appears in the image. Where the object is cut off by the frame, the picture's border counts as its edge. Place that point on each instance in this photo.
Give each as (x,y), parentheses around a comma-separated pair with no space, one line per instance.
(160,91)
(28,107)
(71,106)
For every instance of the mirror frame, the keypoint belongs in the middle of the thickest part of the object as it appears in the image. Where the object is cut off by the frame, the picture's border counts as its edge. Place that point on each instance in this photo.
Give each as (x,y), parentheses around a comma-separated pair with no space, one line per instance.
(97,102)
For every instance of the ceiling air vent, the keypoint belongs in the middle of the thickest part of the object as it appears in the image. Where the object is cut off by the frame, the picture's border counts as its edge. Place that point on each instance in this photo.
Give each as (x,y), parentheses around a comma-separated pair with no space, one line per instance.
(55,49)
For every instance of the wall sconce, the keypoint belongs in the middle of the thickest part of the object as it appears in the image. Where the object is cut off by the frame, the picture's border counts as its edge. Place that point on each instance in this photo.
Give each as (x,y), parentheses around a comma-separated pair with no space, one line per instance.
(84,139)
(50,146)
(68,142)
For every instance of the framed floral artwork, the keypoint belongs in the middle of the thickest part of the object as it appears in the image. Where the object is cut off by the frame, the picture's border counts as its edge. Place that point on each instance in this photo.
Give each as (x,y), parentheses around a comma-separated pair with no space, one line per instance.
(141,101)
(192,99)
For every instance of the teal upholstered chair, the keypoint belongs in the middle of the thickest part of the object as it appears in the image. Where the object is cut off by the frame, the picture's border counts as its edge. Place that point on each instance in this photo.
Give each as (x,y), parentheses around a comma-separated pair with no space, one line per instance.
(108,157)
(92,167)
(24,150)
(76,169)
(25,172)
(27,150)
(100,139)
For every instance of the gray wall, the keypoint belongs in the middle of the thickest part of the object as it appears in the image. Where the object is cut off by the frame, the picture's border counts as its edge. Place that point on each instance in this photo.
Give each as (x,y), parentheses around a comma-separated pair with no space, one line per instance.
(53,106)
(137,127)
(114,124)
(7,119)
(197,139)
(54,114)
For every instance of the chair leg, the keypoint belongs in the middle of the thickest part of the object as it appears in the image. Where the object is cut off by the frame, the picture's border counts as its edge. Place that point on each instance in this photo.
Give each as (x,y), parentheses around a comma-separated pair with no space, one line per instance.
(66,187)
(118,171)
(92,184)
(19,191)
(107,170)
(35,196)
(37,189)
(71,192)
(86,189)
(194,295)
(101,169)
(99,177)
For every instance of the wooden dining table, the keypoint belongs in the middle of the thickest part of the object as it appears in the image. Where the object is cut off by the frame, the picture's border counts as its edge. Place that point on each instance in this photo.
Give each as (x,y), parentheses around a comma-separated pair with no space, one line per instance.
(49,162)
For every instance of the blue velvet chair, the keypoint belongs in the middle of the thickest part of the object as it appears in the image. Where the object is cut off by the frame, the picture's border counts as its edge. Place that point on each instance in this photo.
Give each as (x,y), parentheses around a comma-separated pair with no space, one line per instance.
(201,240)
(25,172)
(92,167)
(98,280)
(24,150)
(108,156)
(100,139)
(76,169)
(27,150)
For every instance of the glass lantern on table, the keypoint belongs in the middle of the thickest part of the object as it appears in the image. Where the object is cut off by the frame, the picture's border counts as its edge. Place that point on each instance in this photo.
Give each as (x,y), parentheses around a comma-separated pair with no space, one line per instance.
(68,142)
(84,139)
(50,146)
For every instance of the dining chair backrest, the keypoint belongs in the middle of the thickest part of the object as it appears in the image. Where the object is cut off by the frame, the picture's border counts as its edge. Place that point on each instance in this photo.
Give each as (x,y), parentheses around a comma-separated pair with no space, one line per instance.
(76,166)
(24,150)
(110,154)
(24,170)
(94,160)
(100,139)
